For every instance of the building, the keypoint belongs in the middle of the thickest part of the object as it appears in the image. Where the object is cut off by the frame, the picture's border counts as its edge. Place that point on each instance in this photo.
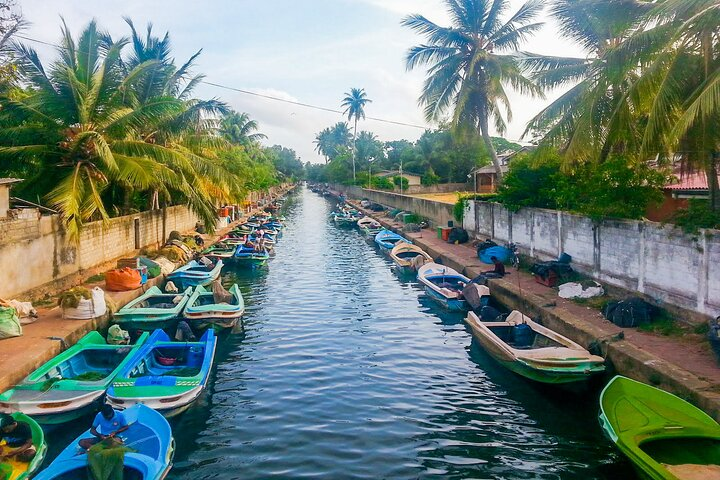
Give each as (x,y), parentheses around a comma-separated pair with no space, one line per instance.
(678,195)
(5,184)
(486,177)
(411,178)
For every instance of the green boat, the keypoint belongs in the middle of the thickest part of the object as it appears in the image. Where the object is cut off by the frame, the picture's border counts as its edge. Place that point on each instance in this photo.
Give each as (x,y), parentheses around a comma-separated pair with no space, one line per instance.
(202,311)
(152,310)
(70,385)
(17,470)
(664,436)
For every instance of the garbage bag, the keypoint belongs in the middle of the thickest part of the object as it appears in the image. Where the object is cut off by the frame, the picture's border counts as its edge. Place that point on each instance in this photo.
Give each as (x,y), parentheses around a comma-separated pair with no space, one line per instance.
(458,235)
(153,268)
(122,279)
(93,307)
(576,290)
(489,314)
(9,323)
(629,313)
(117,336)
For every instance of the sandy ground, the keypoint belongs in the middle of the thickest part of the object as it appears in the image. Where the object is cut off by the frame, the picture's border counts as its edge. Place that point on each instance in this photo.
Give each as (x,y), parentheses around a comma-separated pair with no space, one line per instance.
(441,197)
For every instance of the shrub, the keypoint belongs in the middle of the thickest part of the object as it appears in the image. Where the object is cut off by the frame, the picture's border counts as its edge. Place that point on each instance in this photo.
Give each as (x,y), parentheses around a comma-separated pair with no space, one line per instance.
(401,182)
(698,215)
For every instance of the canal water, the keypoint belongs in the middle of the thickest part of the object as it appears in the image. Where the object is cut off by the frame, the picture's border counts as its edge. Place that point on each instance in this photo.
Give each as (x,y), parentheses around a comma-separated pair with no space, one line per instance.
(347,371)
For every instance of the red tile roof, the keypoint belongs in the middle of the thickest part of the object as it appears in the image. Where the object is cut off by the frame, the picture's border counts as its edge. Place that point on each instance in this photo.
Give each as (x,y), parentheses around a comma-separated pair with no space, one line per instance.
(692,181)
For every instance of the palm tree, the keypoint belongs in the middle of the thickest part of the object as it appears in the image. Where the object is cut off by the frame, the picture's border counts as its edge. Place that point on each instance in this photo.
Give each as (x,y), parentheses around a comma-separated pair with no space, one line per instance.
(578,122)
(238,128)
(471,62)
(354,104)
(323,144)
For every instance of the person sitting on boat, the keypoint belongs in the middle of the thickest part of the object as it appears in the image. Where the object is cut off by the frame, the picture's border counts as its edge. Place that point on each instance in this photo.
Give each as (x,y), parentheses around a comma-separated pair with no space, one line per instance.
(498,271)
(109,423)
(17,437)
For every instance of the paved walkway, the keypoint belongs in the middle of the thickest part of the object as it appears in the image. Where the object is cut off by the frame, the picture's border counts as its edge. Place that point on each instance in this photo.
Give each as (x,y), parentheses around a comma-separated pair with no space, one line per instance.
(683,365)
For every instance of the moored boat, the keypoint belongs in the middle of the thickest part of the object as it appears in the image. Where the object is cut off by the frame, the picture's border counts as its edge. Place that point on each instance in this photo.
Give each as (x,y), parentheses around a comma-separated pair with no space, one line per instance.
(153,309)
(665,437)
(149,438)
(387,240)
(444,285)
(534,351)
(195,273)
(15,469)
(220,251)
(69,385)
(203,310)
(165,375)
(250,257)
(409,258)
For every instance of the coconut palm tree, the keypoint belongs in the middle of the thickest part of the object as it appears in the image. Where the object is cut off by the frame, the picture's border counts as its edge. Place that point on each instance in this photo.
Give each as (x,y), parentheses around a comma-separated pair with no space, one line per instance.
(354,104)
(323,143)
(238,128)
(578,122)
(471,62)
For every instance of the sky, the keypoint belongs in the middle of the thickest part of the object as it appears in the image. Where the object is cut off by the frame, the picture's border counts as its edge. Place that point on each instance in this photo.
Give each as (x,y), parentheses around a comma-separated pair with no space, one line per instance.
(310,51)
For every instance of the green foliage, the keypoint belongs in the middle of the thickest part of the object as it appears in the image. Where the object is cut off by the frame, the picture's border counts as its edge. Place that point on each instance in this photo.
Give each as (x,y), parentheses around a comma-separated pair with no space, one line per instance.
(401,182)
(616,188)
(459,209)
(698,215)
(429,179)
(71,298)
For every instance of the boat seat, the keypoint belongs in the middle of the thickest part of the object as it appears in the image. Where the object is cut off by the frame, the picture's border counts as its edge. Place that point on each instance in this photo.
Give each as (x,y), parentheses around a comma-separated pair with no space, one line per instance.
(694,472)
(559,353)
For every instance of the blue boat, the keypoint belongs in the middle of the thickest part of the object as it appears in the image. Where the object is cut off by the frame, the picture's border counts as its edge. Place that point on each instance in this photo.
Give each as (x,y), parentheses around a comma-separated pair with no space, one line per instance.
(250,257)
(150,438)
(165,375)
(387,240)
(194,274)
(444,285)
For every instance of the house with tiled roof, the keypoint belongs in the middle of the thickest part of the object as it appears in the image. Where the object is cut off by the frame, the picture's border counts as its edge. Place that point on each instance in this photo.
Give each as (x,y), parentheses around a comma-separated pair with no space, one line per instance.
(678,194)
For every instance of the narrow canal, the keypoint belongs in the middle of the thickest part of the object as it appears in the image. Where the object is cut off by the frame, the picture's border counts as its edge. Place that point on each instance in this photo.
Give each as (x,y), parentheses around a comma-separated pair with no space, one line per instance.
(347,371)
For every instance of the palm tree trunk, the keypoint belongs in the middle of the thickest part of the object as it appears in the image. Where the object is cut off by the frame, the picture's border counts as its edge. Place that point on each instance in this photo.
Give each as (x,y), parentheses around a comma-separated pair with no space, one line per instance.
(491,149)
(354,144)
(713,187)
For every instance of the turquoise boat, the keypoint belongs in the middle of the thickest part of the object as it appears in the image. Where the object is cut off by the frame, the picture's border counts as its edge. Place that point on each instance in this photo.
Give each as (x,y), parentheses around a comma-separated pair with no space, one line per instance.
(195,273)
(203,312)
(387,240)
(18,470)
(222,250)
(72,383)
(165,375)
(152,310)
(444,285)
(149,437)
(665,437)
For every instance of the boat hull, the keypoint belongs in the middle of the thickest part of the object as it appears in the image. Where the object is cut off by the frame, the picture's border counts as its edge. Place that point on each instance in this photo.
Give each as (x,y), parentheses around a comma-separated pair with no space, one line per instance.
(451,304)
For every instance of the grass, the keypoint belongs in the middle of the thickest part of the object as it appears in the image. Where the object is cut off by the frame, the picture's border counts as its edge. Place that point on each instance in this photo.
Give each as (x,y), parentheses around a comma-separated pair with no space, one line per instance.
(664,325)
(96,278)
(597,303)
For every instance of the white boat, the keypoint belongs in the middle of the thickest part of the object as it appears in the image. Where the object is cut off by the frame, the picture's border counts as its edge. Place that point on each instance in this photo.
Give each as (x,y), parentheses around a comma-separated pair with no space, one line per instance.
(444,285)
(409,258)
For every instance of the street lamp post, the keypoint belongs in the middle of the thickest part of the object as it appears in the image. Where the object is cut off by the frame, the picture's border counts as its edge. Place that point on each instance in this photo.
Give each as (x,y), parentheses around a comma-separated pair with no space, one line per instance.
(401,177)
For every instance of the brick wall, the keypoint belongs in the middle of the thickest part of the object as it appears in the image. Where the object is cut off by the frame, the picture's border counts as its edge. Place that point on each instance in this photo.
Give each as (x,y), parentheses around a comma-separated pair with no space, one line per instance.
(35,251)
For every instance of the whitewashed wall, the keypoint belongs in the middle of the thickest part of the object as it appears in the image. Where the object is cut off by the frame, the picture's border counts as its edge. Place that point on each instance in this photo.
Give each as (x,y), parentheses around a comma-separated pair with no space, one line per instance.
(654,259)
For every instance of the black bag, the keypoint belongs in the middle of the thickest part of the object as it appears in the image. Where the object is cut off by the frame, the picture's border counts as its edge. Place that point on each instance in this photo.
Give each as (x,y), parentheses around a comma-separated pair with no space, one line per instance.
(629,313)
(458,235)
(489,314)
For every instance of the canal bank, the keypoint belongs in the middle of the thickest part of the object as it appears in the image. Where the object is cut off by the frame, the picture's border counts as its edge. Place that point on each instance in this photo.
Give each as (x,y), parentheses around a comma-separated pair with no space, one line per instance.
(683,368)
(51,334)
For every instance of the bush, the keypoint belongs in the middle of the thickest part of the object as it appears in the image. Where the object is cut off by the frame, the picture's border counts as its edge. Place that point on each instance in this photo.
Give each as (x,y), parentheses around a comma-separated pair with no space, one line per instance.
(698,215)
(401,182)
(430,179)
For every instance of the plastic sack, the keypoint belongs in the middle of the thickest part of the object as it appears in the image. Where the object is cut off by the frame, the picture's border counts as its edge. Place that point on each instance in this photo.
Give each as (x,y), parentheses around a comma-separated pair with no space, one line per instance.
(117,336)
(122,279)
(25,311)
(166,266)
(9,323)
(576,290)
(93,307)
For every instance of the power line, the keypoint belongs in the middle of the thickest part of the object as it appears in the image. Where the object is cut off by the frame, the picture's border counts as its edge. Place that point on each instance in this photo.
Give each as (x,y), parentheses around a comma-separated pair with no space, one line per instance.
(267,97)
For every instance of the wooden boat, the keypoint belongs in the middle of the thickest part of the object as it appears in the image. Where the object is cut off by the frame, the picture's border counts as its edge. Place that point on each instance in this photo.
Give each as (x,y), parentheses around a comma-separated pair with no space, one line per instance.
(69,385)
(23,470)
(366,222)
(533,351)
(153,309)
(165,375)
(387,240)
(149,437)
(664,436)
(243,230)
(444,285)
(409,258)
(195,273)
(202,311)
(220,251)
(250,257)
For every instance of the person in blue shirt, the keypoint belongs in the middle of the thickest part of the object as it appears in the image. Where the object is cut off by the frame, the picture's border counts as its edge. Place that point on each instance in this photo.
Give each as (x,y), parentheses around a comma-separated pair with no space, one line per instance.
(109,423)
(18,439)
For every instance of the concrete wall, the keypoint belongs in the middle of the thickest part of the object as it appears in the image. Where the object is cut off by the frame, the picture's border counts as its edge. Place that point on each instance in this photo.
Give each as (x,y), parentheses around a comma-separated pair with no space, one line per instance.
(438,213)
(34,251)
(439,188)
(654,259)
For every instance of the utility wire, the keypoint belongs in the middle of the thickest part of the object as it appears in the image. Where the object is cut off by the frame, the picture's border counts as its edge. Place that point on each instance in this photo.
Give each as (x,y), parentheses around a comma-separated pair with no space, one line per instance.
(260,95)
